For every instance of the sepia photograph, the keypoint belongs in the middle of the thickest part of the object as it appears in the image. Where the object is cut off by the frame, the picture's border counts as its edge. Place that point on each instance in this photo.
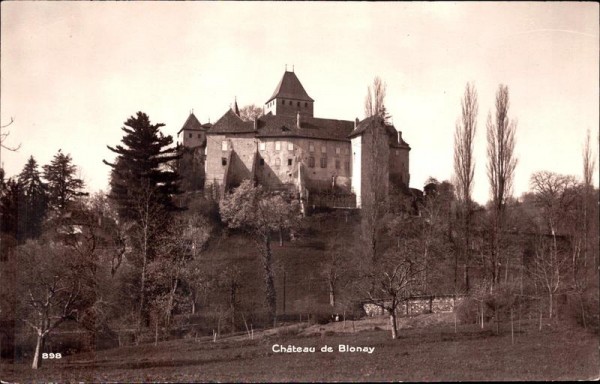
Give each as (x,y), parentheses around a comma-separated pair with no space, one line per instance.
(309,191)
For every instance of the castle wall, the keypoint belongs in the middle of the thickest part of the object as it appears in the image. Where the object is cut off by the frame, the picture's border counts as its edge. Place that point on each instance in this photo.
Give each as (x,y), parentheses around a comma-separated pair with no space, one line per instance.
(399,165)
(374,165)
(244,147)
(281,165)
(357,167)
(193,138)
(289,107)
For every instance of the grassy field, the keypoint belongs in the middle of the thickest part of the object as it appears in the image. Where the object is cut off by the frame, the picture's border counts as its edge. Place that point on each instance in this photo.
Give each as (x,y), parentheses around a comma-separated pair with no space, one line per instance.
(427,350)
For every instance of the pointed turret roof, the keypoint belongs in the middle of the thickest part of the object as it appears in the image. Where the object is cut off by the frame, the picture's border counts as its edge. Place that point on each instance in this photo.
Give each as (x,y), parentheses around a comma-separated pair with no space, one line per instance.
(192,124)
(235,107)
(290,88)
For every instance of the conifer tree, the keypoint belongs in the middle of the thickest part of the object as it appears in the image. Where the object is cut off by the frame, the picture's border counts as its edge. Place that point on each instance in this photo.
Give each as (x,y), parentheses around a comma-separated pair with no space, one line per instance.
(141,167)
(33,201)
(63,186)
(143,185)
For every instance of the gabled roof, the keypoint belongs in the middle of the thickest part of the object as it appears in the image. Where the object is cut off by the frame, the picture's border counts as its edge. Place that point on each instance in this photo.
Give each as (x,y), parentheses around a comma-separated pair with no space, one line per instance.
(310,127)
(231,123)
(192,124)
(363,125)
(284,126)
(396,139)
(290,88)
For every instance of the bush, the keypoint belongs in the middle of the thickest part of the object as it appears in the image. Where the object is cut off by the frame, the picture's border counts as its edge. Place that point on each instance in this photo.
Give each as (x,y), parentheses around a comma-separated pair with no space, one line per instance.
(467,310)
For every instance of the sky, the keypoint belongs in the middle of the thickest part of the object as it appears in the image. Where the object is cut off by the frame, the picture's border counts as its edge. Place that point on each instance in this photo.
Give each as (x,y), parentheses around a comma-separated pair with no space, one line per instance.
(73,72)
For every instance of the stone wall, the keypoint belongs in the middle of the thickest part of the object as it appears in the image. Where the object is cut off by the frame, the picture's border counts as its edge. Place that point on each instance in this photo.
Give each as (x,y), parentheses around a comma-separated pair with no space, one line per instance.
(418,305)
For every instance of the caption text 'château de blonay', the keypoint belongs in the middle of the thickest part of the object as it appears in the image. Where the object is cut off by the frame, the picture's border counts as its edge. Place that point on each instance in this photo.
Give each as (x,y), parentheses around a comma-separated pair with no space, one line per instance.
(344,348)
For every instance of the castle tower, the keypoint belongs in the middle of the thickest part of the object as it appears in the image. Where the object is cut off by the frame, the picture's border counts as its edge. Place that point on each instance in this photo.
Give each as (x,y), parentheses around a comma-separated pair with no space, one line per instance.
(290,98)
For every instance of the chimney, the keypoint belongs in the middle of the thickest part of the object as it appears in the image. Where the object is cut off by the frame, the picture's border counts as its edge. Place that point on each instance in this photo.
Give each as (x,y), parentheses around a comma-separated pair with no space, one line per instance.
(355,123)
(255,123)
(399,137)
(298,120)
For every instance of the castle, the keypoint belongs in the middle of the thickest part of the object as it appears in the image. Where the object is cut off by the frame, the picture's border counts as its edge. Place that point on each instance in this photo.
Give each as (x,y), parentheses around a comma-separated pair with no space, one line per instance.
(288,148)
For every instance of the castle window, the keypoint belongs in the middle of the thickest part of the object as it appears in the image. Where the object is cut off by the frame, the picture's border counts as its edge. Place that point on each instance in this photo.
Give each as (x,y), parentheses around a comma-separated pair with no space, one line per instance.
(337,150)
(190,135)
(290,146)
(323,148)
(323,162)
(337,164)
(311,162)
(311,147)
(347,166)
(261,161)
(278,145)
(277,161)
(306,105)
(289,161)
(262,146)
(298,104)
(199,135)
(223,161)
(282,102)
(224,146)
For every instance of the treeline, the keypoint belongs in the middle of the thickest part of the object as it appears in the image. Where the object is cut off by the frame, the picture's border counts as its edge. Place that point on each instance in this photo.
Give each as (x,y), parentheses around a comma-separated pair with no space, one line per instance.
(130,261)
(536,255)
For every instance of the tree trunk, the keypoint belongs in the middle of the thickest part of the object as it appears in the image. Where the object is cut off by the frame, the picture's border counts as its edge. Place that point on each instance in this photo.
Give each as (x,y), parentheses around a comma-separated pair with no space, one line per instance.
(331,294)
(39,347)
(550,302)
(280,237)
(393,324)
(271,296)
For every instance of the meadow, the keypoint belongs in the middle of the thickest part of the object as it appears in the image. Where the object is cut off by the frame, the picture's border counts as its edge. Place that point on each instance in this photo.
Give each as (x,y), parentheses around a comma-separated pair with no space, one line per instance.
(430,348)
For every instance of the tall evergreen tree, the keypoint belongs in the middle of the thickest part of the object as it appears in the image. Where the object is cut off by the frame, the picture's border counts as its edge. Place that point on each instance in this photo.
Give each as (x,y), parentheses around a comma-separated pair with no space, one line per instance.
(143,185)
(63,186)
(9,207)
(33,201)
(141,168)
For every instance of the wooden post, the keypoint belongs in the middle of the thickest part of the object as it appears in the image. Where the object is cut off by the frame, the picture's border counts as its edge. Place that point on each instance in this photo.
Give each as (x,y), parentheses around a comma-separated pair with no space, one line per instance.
(512,328)
(284,290)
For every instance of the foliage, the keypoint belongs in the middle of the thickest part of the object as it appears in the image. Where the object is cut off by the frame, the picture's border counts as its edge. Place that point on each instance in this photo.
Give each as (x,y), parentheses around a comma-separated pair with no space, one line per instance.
(141,168)
(33,201)
(63,186)
(250,112)
(259,213)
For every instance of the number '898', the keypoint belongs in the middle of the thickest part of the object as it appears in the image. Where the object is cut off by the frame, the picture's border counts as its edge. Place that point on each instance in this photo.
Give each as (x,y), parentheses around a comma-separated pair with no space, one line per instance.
(51,356)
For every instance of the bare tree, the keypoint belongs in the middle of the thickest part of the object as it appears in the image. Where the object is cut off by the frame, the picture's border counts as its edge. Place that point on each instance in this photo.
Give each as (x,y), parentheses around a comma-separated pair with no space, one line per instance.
(589,165)
(500,170)
(50,289)
(260,213)
(391,281)
(250,112)
(375,99)
(464,167)
(4,135)
(556,195)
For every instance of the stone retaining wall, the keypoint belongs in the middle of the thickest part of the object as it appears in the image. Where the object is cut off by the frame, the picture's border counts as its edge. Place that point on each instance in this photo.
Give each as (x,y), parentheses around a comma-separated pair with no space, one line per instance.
(418,305)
